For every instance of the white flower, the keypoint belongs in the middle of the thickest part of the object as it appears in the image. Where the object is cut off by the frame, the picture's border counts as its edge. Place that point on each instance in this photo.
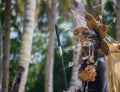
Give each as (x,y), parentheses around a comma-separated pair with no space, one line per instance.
(66,28)
(70,64)
(78,0)
(114,19)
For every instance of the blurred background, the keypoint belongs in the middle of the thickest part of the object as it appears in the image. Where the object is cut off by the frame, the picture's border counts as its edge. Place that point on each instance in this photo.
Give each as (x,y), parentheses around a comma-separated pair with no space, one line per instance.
(48,13)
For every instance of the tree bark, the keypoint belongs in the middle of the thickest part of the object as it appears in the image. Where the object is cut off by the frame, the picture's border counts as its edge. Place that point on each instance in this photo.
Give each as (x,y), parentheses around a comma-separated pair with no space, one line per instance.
(1,62)
(50,9)
(116,67)
(78,20)
(6,48)
(25,52)
(94,7)
(118,23)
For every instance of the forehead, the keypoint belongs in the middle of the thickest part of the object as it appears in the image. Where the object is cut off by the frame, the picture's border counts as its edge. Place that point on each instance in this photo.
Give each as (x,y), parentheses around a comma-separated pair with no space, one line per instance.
(79,30)
(89,34)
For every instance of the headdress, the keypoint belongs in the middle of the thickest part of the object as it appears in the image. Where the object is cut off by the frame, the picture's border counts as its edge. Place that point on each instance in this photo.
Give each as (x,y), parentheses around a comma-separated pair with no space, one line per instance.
(100,29)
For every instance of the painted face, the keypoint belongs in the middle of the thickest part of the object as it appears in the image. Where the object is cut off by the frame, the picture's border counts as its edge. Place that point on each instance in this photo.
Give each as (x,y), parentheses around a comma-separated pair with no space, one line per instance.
(90,43)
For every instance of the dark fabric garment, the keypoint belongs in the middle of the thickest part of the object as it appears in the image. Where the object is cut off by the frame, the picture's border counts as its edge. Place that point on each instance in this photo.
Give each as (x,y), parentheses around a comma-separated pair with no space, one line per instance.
(102,68)
(101,82)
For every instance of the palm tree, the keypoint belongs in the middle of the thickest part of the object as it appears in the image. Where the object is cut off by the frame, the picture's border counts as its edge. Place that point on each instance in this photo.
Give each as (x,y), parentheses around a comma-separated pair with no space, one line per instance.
(117,66)
(77,9)
(94,7)
(6,48)
(50,10)
(118,22)
(0,56)
(25,52)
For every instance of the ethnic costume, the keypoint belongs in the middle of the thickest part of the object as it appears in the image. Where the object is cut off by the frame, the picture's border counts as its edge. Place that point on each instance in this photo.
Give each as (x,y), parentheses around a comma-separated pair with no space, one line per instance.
(93,70)
(93,63)
(100,82)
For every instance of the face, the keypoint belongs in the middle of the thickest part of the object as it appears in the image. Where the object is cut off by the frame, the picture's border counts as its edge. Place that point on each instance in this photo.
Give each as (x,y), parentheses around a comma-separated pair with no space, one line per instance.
(88,39)
(90,43)
(78,32)
(86,49)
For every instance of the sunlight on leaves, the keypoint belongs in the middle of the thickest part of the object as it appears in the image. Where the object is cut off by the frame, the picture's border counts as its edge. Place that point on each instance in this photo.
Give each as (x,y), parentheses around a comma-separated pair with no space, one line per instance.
(70,64)
(66,27)
(114,19)
(78,0)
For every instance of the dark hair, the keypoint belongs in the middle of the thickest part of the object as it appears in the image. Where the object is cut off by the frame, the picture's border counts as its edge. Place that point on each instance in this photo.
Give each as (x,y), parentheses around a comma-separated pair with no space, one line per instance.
(91,34)
(94,36)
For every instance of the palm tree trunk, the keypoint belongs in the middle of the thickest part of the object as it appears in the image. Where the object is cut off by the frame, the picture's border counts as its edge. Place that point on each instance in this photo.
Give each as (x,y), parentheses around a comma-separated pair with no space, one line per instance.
(0,56)
(117,66)
(50,9)
(78,20)
(94,7)
(118,23)
(6,48)
(28,31)
(25,52)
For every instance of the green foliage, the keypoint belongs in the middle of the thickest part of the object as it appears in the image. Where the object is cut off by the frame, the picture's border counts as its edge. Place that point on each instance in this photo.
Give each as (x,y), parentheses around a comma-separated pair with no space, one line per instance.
(35,80)
(64,9)
(109,14)
(42,7)
(59,82)
(93,7)
(20,6)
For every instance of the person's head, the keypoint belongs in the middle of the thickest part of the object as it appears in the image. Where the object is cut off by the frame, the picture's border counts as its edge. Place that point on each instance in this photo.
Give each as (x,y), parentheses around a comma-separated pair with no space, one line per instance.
(91,38)
(86,36)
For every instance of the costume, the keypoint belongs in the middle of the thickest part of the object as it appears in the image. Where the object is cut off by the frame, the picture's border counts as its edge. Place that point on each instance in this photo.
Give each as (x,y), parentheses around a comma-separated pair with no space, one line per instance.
(93,70)
(100,82)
